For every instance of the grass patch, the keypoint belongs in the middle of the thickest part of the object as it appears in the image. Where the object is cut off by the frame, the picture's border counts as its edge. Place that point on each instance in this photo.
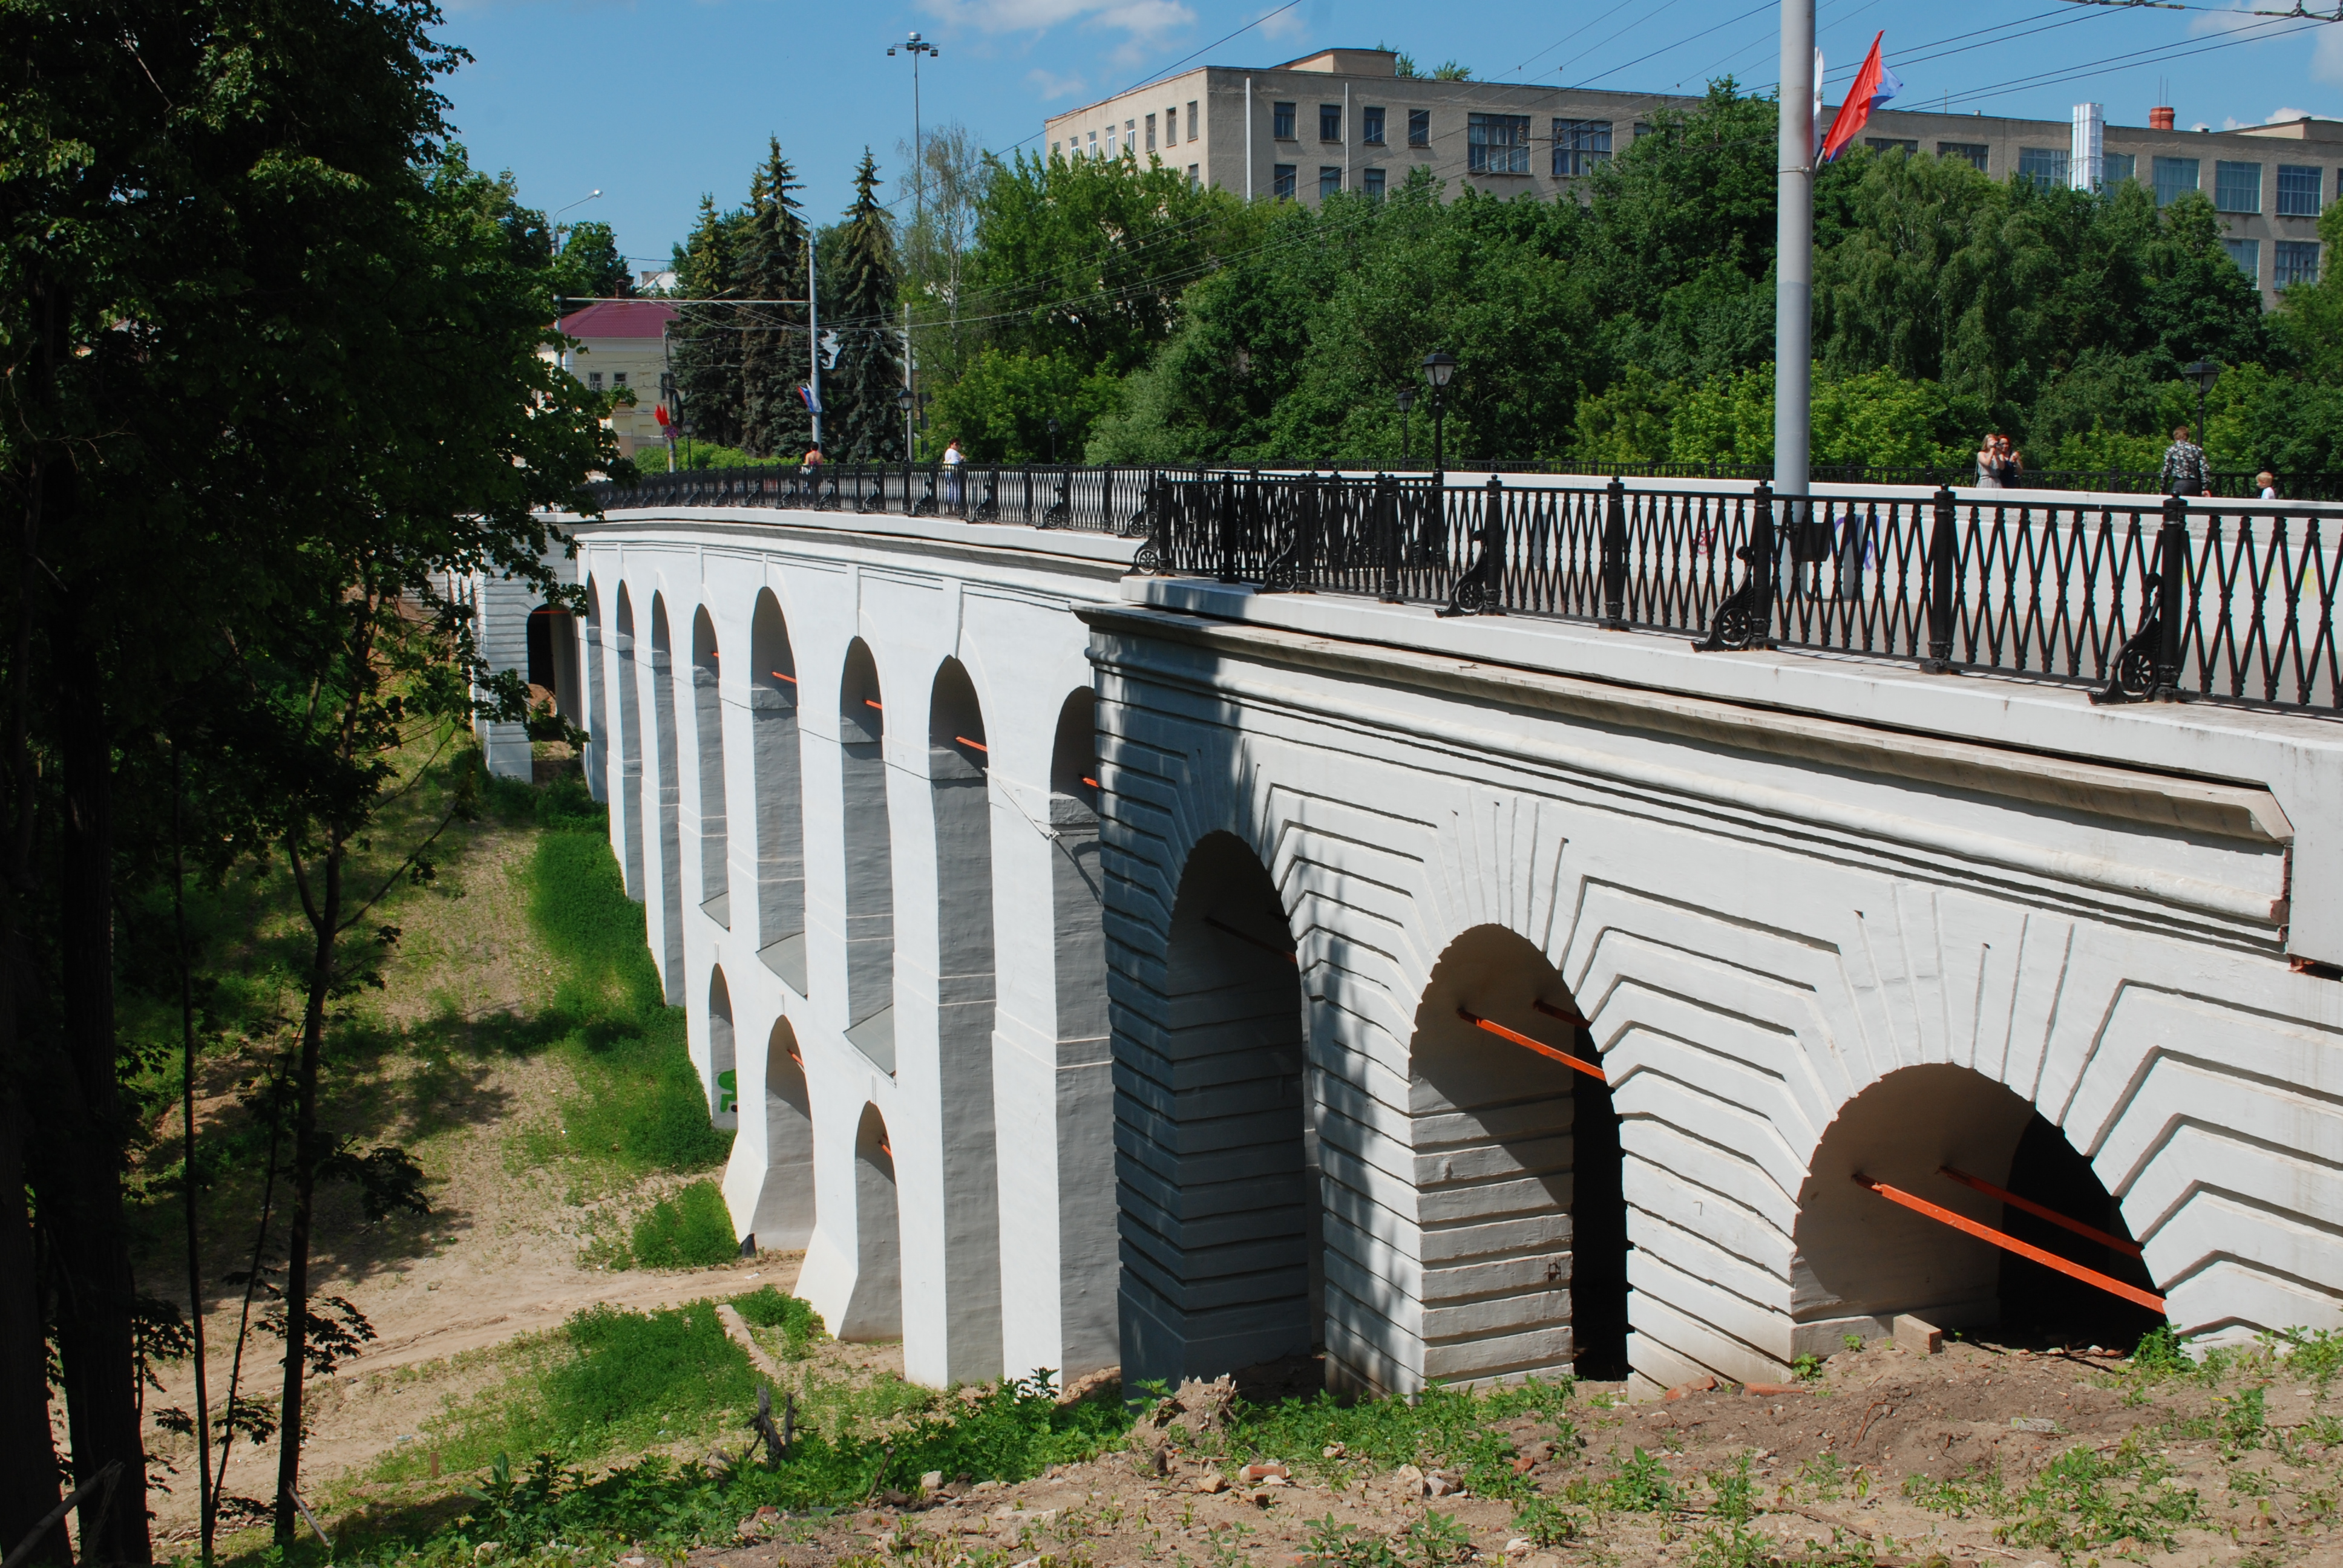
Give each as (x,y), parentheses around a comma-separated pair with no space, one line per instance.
(1446,1428)
(801,1326)
(2082,1501)
(691,1229)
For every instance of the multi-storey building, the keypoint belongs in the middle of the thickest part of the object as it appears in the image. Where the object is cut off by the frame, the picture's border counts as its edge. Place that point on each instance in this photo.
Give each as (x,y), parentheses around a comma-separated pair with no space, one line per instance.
(1344,120)
(621,346)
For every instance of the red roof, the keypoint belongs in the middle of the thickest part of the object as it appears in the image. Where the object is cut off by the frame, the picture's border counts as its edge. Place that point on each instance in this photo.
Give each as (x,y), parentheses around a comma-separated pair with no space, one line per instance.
(620,319)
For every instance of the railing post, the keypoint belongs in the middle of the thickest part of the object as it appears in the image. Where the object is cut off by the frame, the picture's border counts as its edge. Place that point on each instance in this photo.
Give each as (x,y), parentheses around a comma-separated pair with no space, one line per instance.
(1762,552)
(1387,537)
(1943,613)
(1615,556)
(2171,594)
(1228,572)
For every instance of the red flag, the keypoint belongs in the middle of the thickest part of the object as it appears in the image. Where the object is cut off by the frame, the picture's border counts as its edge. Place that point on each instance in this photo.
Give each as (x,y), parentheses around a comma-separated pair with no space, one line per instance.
(1873,86)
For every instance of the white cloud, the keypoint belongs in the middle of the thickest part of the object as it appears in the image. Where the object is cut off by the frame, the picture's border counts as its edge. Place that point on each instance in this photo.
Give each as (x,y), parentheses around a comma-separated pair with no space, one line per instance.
(1048,85)
(1145,20)
(1285,25)
(2237,18)
(2286,117)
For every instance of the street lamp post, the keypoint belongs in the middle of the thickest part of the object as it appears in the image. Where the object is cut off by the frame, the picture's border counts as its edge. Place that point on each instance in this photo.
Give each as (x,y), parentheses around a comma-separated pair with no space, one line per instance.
(558,302)
(903,401)
(914,46)
(1406,402)
(1438,366)
(1053,440)
(2202,372)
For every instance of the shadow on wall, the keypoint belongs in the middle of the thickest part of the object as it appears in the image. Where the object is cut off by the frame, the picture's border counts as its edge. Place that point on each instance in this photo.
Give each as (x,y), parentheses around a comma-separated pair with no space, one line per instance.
(631,803)
(723,1055)
(707,737)
(784,1217)
(870,859)
(875,1310)
(1860,1259)
(778,771)
(670,800)
(1518,1180)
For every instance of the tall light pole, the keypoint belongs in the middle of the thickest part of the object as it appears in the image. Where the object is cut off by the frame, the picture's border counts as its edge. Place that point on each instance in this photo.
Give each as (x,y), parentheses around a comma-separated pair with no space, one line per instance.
(1793,286)
(1438,366)
(915,47)
(563,362)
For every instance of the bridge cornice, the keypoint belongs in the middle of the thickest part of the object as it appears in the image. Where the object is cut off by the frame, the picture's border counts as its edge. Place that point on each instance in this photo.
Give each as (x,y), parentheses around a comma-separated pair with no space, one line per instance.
(1089,558)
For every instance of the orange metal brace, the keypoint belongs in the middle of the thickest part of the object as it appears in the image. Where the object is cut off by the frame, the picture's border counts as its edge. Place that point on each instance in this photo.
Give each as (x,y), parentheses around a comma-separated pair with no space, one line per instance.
(1562,1013)
(1288,954)
(973,745)
(2090,1231)
(2009,1244)
(777,675)
(1502,1033)
(1092,782)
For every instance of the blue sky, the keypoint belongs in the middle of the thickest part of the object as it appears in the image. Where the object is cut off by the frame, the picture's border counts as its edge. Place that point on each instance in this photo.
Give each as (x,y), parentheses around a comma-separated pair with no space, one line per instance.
(654,104)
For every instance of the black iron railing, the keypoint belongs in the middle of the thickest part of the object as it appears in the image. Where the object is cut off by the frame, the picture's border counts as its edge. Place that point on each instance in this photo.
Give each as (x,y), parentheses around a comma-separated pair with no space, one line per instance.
(2156,596)
(2161,597)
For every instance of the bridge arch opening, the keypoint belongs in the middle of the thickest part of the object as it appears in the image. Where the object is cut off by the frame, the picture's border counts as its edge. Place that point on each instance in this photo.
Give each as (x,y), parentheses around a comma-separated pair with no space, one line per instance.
(959,796)
(1211,1167)
(707,738)
(670,802)
(870,858)
(875,1309)
(784,1215)
(1073,754)
(1522,1216)
(1863,1259)
(723,1055)
(630,751)
(779,796)
(598,731)
(552,656)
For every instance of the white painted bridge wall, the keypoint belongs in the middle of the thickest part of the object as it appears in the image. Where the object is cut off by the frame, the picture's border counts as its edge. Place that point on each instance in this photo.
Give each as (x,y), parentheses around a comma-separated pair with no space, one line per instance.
(1770,880)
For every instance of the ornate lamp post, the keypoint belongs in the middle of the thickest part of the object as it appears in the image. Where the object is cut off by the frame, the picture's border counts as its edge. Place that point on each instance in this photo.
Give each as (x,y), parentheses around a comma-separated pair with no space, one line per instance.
(903,401)
(1406,402)
(1053,440)
(1438,366)
(2202,372)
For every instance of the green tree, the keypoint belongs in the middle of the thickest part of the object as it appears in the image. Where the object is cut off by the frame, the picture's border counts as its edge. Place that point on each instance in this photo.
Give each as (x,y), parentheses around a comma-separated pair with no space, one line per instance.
(590,266)
(862,422)
(706,340)
(770,263)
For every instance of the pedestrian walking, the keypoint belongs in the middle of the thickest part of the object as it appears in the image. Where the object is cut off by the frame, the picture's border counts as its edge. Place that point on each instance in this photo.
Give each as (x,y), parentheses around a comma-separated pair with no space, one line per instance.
(2266,483)
(953,459)
(2184,465)
(812,471)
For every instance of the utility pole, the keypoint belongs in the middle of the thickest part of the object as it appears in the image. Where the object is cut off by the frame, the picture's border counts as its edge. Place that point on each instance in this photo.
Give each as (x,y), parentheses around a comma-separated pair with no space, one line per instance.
(915,47)
(813,339)
(1795,254)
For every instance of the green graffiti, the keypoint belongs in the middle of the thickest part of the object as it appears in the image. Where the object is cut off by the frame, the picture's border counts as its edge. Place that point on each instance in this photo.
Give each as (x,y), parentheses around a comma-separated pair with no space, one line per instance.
(728,1092)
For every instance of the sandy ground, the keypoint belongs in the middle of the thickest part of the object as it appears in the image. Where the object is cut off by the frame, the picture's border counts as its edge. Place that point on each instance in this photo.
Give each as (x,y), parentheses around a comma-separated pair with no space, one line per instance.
(1882,1415)
(498,1257)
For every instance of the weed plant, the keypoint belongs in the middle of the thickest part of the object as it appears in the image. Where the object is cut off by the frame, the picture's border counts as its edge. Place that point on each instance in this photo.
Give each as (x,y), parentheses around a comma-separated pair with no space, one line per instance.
(801,1326)
(1447,1428)
(690,1230)
(2083,1501)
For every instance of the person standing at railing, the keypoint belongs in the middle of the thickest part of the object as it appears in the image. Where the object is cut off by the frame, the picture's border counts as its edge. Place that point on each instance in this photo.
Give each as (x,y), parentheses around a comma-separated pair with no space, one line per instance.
(2184,465)
(1997,468)
(2266,483)
(953,459)
(811,469)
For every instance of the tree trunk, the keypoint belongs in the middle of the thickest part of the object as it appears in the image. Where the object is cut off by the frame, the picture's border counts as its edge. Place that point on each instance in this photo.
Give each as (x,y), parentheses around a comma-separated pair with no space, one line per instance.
(96,1333)
(325,920)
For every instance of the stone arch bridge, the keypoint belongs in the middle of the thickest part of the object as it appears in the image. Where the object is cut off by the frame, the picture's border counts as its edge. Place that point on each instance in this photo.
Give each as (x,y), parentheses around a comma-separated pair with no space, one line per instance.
(1092,961)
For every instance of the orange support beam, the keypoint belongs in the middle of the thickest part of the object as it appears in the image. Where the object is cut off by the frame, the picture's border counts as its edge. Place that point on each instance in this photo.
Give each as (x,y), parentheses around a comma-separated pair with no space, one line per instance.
(1288,954)
(1502,1033)
(2091,1233)
(973,745)
(1562,1013)
(2009,1244)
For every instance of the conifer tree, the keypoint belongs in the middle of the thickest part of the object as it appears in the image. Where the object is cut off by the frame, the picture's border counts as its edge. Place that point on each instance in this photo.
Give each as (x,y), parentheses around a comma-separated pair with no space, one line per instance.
(865,424)
(707,341)
(770,263)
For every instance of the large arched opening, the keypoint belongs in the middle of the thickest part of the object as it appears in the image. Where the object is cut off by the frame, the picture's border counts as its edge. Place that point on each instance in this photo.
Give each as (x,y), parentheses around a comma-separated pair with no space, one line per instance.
(670,802)
(552,653)
(870,859)
(707,736)
(1210,1178)
(784,1216)
(959,796)
(723,1055)
(1521,1220)
(598,732)
(630,751)
(875,1309)
(773,755)
(1950,1139)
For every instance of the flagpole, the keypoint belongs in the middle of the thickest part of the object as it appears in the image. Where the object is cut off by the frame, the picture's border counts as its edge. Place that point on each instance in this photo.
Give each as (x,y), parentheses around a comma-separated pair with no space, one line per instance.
(1795,254)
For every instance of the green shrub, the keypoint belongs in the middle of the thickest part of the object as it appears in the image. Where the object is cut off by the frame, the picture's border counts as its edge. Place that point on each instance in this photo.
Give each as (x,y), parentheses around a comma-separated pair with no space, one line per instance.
(637,1374)
(800,1324)
(692,1229)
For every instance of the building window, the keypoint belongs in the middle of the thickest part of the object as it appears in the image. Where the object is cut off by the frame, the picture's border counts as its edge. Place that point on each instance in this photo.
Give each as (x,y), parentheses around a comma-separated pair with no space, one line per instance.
(1970,153)
(2116,167)
(1150,133)
(1330,122)
(1191,176)
(1280,181)
(1330,180)
(1171,127)
(1195,126)
(617,378)
(1374,189)
(2173,177)
(1580,146)
(2247,254)
(1054,149)
(2044,168)
(2297,191)
(1130,136)
(1371,129)
(1890,145)
(1642,129)
(2296,262)
(1110,141)
(1419,130)
(593,380)
(1281,121)
(1497,144)
(1093,144)
(2237,188)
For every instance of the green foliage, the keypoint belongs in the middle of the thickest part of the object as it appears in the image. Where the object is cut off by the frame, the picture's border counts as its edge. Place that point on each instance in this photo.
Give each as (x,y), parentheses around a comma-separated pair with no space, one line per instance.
(1545,1521)
(769,1308)
(2084,1501)
(1807,1368)
(1430,1539)
(770,263)
(691,1229)
(2313,1355)
(2242,1419)
(1641,1487)
(1734,1491)
(2160,1353)
(590,266)
(1445,1426)
(636,1374)
(1001,406)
